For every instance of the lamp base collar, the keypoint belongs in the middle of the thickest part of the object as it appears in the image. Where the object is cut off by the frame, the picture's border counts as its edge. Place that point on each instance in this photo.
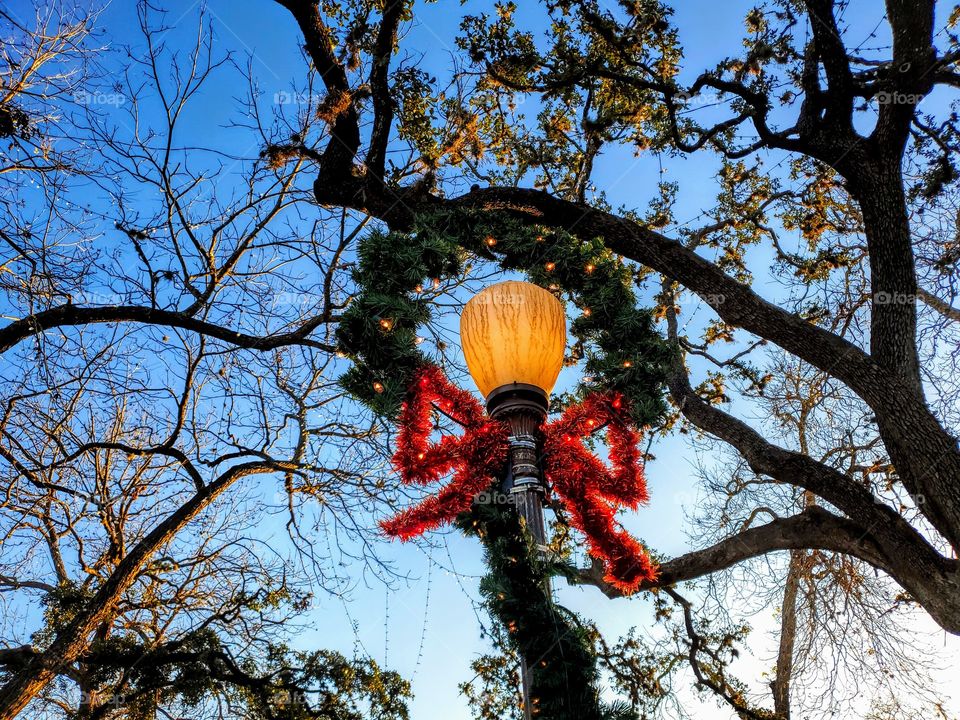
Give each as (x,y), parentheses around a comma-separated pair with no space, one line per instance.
(515,398)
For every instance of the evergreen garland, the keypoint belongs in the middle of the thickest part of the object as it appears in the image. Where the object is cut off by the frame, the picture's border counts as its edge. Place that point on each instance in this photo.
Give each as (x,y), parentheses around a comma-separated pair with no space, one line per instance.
(623,351)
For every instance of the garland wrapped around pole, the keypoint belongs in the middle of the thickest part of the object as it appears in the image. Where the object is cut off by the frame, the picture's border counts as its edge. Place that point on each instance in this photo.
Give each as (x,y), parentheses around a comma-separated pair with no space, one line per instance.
(562,670)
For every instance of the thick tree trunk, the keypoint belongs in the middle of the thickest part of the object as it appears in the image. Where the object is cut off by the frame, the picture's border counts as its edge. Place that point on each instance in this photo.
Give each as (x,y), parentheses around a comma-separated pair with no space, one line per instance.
(893,282)
(926,458)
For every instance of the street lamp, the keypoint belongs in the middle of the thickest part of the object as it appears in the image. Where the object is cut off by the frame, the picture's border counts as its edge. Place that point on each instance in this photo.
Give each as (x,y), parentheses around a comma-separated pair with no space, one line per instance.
(514,336)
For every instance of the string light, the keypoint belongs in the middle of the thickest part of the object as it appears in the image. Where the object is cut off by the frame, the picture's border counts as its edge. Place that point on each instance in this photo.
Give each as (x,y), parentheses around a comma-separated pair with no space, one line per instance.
(589,267)
(386,324)
(550,266)
(378,387)
(490,241)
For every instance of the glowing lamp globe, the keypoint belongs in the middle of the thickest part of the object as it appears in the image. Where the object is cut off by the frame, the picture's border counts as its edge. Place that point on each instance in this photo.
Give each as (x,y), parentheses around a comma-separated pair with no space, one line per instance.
(513,336)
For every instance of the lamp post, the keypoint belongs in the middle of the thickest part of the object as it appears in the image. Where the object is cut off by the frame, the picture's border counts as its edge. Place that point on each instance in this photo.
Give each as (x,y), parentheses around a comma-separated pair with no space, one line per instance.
(514,336)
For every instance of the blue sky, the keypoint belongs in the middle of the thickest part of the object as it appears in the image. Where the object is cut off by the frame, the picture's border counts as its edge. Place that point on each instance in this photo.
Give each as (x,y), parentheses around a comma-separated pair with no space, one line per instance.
(428,630)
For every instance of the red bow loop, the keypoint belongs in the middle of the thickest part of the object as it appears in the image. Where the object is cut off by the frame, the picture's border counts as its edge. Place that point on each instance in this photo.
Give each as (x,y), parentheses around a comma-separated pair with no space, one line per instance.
(474,458)
(592,492)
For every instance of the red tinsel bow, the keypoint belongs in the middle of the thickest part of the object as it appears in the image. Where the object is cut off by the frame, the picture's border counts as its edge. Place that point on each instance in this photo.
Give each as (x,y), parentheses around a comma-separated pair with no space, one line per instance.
(590,491)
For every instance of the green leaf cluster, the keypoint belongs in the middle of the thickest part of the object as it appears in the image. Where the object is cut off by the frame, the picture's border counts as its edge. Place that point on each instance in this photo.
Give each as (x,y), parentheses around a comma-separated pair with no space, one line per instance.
(133,680)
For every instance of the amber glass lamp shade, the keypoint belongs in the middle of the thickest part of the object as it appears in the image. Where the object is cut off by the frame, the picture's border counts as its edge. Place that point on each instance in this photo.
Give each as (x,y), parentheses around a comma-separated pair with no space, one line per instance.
(513,333)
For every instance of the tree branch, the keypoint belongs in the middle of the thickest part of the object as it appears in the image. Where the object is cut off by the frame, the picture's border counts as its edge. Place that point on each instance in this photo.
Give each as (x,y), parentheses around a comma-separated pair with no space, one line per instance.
(344,121)
(941,306)
(833,55)
(812,528)
(380,89)
(73,639)
(72,315)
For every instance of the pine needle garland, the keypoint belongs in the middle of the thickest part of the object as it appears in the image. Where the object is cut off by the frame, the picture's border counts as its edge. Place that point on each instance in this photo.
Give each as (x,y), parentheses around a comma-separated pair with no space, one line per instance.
(622,350)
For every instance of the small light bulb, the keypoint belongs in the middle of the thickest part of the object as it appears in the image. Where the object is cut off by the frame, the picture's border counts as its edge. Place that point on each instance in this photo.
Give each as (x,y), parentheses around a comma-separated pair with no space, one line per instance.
(586,312)
(491,241)
(378,387)
(589,267)
(419,340)
(386,324)
(550,266)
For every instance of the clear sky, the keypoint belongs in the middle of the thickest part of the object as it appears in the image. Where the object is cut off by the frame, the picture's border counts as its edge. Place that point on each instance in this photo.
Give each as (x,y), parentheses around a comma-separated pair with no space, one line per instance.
(429,629)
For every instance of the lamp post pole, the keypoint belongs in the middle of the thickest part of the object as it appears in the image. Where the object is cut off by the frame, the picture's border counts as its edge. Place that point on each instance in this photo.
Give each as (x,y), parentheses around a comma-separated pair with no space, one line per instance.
(524,408)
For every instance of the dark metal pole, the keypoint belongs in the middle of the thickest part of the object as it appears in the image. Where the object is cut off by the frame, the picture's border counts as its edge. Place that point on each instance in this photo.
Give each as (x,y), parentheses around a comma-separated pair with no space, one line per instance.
(524,408)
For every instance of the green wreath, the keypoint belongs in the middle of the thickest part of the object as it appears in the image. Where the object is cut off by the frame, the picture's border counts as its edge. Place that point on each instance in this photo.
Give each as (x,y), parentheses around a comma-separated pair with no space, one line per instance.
(622,349)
